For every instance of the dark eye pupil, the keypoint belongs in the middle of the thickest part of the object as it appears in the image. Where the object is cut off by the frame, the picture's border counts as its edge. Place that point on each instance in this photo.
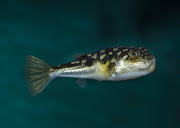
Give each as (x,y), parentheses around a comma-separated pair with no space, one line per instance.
(133,54)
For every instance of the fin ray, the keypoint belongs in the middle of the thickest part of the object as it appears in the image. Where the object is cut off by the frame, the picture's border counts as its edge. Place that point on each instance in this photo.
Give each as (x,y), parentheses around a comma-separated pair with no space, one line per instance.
(31,70)
(34,77)
(37,74)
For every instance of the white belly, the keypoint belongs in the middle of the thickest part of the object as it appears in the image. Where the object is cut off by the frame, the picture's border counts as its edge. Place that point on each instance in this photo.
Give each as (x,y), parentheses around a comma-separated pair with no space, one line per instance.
(126,76)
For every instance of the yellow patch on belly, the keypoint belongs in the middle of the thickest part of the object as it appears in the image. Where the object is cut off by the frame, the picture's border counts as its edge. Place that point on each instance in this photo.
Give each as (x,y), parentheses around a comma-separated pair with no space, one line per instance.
(103,69)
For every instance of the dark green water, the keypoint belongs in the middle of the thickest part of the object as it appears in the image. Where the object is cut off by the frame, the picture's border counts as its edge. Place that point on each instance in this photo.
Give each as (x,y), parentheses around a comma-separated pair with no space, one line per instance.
(56,30)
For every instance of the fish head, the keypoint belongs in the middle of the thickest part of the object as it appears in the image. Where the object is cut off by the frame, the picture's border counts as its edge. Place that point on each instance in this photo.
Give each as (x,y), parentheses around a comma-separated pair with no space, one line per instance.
(135,62)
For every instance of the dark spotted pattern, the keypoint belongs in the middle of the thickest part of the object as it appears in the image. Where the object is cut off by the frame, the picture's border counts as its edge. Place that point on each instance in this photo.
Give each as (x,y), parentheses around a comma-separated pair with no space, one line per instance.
(106,55)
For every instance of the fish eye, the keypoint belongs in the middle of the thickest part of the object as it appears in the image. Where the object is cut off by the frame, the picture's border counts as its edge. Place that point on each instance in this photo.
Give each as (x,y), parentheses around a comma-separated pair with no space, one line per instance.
(133,55)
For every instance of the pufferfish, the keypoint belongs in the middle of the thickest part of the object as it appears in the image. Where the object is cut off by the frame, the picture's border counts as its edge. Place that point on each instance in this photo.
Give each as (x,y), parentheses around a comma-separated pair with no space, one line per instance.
(111,64)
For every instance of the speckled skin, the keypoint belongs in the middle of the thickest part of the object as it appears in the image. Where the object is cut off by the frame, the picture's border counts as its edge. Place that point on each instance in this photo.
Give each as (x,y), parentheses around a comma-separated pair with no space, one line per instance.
(109,64)
(113,64)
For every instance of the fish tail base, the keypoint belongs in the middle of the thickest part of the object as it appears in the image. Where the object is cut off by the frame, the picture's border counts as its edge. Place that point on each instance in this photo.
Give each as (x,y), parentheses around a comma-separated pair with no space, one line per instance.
(38,74)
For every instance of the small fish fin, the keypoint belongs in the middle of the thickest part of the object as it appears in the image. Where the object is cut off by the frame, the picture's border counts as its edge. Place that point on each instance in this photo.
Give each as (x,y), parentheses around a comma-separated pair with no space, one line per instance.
(77,56)
(37,74)
(81,82)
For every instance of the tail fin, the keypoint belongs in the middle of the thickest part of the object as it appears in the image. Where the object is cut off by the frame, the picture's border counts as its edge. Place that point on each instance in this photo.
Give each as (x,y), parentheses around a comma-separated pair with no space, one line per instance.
(37,74)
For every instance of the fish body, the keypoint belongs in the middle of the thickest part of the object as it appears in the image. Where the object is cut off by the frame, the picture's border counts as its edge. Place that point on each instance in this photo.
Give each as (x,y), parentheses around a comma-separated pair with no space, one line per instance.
(112,64)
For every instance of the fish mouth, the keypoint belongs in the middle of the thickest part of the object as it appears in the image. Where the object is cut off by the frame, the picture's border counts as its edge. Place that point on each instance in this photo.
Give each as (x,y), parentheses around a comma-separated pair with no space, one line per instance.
(152,66)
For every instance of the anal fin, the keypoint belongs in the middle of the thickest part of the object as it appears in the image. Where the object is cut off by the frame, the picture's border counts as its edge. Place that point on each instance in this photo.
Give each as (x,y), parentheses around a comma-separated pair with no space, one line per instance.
(81,82)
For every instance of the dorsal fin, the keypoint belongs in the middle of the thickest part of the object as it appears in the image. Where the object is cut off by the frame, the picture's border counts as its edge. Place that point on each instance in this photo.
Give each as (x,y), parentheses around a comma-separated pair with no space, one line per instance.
(77,56)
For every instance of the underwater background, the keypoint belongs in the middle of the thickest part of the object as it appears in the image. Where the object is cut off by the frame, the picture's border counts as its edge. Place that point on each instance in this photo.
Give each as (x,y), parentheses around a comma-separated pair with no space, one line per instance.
(54,31)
